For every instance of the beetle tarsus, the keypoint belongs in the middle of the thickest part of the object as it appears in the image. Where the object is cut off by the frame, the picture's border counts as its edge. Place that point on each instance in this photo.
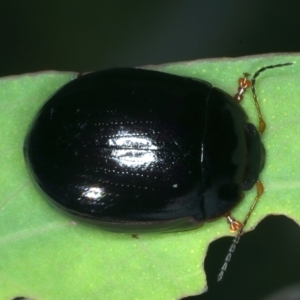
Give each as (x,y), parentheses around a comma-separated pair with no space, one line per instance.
(244,83)
(234,224)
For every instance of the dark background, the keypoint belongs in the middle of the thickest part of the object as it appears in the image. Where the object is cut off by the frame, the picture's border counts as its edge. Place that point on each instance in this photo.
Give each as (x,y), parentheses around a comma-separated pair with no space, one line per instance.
(88,35)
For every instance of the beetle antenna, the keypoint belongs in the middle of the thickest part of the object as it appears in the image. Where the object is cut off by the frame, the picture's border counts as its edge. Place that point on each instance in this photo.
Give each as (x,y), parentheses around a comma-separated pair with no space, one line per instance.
(260,190)
(262,124)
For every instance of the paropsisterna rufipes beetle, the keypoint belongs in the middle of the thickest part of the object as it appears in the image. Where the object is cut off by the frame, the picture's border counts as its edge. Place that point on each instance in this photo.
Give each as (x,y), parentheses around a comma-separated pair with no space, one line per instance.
(136,150)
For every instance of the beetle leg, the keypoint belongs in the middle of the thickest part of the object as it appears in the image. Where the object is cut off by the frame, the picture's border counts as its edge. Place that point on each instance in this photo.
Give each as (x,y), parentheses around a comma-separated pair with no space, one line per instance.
(244,83)
(234,224)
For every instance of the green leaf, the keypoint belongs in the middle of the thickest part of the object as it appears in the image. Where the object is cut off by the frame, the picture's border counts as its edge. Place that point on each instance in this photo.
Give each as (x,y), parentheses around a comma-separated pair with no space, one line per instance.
(46,255)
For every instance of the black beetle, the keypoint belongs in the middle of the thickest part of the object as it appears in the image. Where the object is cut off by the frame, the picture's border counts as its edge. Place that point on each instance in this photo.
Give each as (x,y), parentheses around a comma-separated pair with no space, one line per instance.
(136,150)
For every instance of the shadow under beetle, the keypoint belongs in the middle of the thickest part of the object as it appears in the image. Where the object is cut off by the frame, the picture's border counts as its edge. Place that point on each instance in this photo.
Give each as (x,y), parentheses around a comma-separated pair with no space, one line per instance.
(135,150)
